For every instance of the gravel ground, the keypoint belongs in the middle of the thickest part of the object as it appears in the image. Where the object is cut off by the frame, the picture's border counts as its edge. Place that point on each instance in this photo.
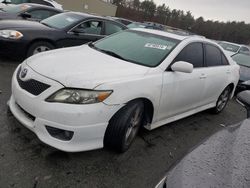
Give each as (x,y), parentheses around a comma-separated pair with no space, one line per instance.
(25,162)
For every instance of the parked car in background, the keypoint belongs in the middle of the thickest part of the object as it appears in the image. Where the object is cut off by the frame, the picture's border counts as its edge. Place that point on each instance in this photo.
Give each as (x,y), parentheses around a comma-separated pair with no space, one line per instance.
(233,48)
(243,61)
(25,38)
(220,161)
(122,20)
(145,25)
(50,3)
(32,12)
(101,94)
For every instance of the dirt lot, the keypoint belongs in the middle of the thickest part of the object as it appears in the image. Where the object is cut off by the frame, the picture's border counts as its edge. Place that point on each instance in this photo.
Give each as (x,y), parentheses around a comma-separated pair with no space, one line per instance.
(25,162)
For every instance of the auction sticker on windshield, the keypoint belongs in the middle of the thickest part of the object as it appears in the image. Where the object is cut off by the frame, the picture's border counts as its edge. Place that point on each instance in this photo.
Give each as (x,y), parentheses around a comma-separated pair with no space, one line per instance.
(158,46)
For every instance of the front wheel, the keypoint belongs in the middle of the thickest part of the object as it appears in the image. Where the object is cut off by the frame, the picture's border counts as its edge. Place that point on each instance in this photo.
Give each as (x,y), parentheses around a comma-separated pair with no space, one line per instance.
(39,47)
(222,101)
(124,126)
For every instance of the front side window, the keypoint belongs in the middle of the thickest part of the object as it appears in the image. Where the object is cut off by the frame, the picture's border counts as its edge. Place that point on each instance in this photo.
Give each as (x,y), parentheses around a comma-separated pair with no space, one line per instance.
(89,27)
(213,56)
(137,47)
(111,28)
(193,53)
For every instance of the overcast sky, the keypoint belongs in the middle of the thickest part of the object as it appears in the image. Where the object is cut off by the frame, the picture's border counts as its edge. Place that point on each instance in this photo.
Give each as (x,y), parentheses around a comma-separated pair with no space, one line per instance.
(222,10)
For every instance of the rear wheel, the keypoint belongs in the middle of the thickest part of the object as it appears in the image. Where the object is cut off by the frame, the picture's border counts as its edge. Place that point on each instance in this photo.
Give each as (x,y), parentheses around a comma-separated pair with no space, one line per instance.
(124,126)
(39,47)
(222,101)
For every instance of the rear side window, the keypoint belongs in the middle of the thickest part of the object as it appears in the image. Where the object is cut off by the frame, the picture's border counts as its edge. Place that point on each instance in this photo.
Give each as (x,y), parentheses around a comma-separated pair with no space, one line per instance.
(192,53)
(40,14)
(111,28)
(214,57)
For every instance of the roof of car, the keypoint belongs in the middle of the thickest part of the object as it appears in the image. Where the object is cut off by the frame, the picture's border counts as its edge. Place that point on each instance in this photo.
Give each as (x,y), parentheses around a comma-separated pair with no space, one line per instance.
(167,34)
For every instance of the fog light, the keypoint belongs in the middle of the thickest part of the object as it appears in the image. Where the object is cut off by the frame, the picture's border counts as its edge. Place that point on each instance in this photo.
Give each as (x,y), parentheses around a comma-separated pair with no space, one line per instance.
(60,133)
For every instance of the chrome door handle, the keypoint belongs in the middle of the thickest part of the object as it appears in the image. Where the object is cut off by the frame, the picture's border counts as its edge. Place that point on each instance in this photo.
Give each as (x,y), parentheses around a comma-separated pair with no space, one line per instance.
(203,76)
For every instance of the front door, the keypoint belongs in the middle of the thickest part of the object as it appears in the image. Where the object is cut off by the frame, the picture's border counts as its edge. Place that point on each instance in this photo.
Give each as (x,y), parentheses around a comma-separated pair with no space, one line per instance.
(182,92)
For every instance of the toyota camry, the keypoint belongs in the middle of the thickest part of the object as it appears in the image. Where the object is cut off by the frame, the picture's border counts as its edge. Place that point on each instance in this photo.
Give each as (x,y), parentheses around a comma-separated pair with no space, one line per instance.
(101,94)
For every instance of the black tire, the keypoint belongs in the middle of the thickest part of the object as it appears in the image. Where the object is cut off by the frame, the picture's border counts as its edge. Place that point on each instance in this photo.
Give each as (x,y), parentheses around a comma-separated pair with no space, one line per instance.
(222,101)
(121,131)
(43,45)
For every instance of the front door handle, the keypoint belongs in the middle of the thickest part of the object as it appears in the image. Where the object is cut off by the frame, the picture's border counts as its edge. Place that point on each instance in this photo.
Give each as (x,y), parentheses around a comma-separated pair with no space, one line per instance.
(228,72)
(203,76)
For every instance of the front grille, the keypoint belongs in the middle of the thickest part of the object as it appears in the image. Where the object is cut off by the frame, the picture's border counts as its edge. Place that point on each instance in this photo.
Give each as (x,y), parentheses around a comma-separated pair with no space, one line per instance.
(28,115)
(32,86)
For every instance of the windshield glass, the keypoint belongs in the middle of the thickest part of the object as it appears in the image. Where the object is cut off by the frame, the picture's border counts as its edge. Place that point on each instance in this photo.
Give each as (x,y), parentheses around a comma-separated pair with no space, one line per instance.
(242,59)
(61,21)
(229,47)
(138,47)
(15,8)
(18,1)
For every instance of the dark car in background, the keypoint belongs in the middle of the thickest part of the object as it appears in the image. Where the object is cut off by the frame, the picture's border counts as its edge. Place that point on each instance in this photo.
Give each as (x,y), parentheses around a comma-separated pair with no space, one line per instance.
(220,161)
(32,12)
(50,3)
(26,38)
(243,60)
(122,20)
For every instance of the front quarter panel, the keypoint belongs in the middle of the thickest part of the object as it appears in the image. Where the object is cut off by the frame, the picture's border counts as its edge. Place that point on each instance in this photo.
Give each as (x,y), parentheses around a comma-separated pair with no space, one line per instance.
(147,87)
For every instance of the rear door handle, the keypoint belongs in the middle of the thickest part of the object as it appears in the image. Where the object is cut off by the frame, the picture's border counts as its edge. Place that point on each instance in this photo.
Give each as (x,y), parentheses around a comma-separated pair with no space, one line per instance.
(228,72)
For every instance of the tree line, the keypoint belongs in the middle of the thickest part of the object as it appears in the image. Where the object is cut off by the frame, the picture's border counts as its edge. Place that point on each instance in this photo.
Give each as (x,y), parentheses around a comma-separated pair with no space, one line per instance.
(147,10)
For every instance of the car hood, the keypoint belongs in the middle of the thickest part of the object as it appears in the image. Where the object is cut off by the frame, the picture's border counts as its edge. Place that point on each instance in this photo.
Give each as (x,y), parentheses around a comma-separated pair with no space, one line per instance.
(221,161)
(244,73)
(24,24)
(83,67)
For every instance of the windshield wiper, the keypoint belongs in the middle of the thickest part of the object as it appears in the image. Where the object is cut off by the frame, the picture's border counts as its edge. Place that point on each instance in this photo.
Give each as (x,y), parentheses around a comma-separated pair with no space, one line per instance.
(108,52)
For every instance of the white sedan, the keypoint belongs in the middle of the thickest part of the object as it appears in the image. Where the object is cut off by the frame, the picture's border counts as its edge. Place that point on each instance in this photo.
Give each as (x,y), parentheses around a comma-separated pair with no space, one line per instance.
(100,94)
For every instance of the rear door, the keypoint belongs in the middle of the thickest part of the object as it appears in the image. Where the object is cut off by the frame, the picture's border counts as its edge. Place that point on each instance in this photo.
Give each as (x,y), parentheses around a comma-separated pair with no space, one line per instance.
(218,72)
(182,92)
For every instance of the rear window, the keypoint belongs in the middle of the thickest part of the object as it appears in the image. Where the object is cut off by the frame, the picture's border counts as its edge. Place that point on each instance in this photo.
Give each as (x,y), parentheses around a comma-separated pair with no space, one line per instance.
(138,47)
(16,8)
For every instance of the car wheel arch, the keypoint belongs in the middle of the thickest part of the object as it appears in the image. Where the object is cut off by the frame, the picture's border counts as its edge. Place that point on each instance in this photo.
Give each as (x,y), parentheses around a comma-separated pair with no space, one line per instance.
(41,40)
(148,110)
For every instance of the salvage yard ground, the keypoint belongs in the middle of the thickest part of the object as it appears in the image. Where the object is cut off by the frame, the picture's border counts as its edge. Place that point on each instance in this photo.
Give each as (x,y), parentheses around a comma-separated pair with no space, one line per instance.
(26,162)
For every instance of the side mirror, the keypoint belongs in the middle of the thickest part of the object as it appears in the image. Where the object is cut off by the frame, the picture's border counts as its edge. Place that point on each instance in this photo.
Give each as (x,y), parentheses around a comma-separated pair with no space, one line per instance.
(182,66)
(244,99)
(26,15)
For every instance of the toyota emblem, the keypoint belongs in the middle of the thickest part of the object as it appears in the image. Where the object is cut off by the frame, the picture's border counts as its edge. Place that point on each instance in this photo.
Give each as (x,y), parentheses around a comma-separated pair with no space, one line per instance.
(24,73)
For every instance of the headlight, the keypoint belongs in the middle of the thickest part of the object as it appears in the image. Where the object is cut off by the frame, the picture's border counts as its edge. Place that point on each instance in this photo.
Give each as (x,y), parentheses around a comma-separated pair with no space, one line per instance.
(78,96)
(10,34)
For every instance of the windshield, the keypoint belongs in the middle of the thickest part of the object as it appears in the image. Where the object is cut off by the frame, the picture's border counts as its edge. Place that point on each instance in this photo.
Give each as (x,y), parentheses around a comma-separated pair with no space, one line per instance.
(61,21)
(15,8)
(229,47)
(138,47)
(242,59)
(18,1)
